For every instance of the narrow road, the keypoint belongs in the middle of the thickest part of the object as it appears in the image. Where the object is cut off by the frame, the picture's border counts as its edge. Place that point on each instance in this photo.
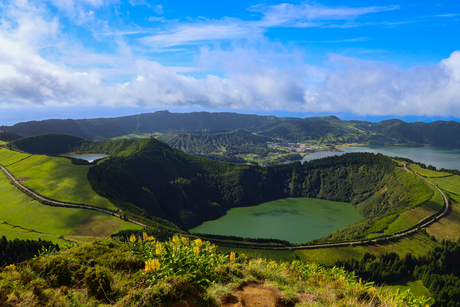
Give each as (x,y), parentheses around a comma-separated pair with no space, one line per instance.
(60,203)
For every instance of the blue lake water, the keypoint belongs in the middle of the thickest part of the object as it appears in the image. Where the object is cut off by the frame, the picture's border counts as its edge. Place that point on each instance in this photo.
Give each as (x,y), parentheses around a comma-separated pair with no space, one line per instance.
(89,158)
(441,157)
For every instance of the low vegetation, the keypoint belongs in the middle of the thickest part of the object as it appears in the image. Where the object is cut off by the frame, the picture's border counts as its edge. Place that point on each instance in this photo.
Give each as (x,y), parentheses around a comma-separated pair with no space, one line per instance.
(439,270)
(146,272)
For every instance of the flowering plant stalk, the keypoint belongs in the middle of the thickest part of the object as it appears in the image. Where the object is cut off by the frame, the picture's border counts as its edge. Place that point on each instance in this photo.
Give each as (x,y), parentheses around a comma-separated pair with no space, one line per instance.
(181,256)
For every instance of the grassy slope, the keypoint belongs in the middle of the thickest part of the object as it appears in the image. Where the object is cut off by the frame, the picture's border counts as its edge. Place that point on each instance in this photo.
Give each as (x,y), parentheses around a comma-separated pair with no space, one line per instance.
(56,178)
(426,172)
(11,233)
(8,157)
(417,244)
(416,286)
(449,184)
(17,208)
(448,227)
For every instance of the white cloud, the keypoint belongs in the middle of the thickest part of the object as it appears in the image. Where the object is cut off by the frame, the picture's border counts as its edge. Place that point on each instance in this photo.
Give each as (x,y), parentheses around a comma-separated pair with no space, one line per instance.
(371,88)
(224,29)
(295,15)
(282,15)
(261,75)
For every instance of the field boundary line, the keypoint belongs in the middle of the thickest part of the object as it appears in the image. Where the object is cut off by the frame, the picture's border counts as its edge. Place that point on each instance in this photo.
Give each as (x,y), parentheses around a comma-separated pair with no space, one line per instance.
(51,202)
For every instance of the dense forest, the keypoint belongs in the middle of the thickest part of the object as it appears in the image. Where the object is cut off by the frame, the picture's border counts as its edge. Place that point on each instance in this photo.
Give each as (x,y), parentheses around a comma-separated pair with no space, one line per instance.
(328,129)
(439,271)
(15,251)
(7,136)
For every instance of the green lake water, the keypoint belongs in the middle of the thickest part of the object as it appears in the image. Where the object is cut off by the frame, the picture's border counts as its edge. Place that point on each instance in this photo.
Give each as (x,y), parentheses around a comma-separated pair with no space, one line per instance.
(297,220)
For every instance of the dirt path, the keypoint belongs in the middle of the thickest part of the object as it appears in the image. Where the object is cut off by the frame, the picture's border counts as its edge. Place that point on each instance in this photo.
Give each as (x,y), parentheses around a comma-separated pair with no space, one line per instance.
(254,294)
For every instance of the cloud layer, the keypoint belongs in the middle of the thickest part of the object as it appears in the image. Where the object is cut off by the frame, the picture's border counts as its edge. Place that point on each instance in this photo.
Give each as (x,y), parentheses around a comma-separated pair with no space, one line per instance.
(270,77)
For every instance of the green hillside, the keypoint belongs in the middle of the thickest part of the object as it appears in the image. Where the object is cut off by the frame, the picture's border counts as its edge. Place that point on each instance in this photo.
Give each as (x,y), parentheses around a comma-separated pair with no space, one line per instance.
(188,190)
(328,129)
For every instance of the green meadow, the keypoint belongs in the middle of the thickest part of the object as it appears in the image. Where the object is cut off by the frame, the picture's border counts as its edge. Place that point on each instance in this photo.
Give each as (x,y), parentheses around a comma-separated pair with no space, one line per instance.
(448,227)
(18,209)
(8,157)
(417,244)
(56,178)
(414,285)
(450,184)
(13,232)
(426,172)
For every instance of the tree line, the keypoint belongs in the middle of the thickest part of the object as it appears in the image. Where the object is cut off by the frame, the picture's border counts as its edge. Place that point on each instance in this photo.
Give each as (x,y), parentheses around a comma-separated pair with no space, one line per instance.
(439,270)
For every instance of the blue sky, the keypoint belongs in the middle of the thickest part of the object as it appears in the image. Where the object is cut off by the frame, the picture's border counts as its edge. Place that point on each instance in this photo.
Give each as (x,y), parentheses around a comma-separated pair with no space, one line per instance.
(357,59)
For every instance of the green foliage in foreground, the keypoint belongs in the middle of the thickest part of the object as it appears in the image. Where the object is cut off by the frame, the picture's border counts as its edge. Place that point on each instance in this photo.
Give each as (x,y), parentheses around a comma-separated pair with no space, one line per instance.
(439,270)
(130,274)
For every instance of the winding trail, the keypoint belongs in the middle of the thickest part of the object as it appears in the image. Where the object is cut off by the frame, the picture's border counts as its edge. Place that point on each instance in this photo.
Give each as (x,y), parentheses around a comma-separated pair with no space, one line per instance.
(53,202)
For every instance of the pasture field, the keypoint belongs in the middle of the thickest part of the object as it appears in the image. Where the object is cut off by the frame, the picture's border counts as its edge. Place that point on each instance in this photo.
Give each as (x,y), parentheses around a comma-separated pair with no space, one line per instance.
(409,218)
(3,142)
(448,227)
(449,184)
(329,256)
(414,285)
(17,208)
(275,255)
(128,225)
(11,233)
(417,244)
(426,172)
(59,179)
(8,157)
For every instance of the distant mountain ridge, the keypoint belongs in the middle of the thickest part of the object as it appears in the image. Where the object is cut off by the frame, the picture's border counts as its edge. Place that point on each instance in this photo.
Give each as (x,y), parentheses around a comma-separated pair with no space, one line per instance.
(321,129)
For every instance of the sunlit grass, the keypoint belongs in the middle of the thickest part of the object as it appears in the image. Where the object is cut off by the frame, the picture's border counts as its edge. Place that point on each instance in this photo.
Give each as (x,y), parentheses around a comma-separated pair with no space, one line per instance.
(17,208)
(426,172)
(12,233)
(417,244)
(8,157)
(59,179)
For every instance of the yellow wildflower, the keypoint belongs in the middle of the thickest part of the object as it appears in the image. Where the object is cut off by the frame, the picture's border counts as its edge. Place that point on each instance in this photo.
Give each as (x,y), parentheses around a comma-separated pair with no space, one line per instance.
(152,265)
(175,239)
(159,249)
(198,242)
(196,250)
(132,238)
(184,240)
(145,236)
(232,256)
